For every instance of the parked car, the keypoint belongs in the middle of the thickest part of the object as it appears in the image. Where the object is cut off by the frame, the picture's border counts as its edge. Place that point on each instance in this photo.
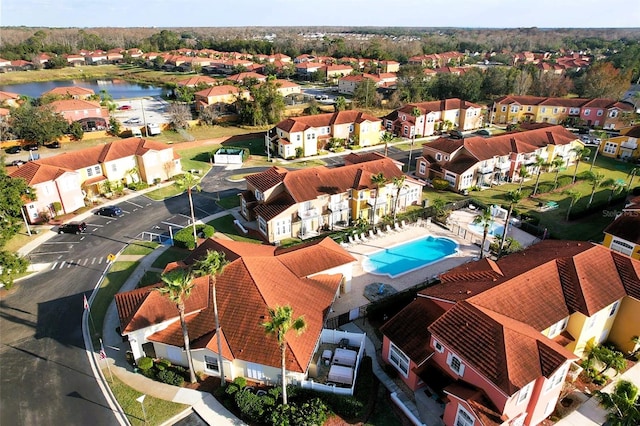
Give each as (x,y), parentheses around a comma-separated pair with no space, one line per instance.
(153,129)
(134,120)
(72,228)
(13,150)
(53,145)
(17,163)
(456,134)
(111,211)
(31,147)
(124,107)
(482,132)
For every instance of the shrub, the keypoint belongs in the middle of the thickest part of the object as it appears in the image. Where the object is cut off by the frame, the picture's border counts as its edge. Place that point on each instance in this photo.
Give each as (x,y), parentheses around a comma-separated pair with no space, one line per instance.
(162,364)
(564,181)
(150,373)
(57,207)
(170,377)
(250,405)
(440,184)
(184,237)
(137,186)
(543,188)
(145,363)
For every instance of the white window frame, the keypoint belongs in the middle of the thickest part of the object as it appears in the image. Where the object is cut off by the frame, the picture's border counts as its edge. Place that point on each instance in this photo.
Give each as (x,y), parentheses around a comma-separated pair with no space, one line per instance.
(262,225)
(453,359)
(213,361)
(462,412)
(524,392)
(438,346)
(587,111)
(422,168)
(504,108)
(599,113)
(614,308)
(621,247)
(399,360)
(556,379)
(438,157)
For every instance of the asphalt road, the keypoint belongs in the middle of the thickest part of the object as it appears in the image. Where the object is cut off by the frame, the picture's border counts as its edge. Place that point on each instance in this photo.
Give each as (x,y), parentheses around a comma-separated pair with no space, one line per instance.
(45,378)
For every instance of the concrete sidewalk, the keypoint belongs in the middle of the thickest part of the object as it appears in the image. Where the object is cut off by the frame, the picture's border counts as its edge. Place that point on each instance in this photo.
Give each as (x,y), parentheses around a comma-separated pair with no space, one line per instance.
(591,413)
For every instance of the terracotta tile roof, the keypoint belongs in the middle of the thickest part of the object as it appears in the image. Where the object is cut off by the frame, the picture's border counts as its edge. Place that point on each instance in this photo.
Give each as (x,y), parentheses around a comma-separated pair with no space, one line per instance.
(298,124)
(34,173)
(71,90)
(478,401)
(507,352)
(222,90)
(275,206)
(326,254)
(626,226)
(246,75)
(445,145)
(442,105)
(409,328)
(248,286)
(267,179)
(634,132)
(7,96)
(65,105)
(460,164)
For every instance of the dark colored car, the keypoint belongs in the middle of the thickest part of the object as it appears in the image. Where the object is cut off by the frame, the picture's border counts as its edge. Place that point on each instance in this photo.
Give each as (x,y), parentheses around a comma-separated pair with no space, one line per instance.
(53,145)
(456,134)
(72,228)
(13,150)
(112,211)
(482,132)
(31,147)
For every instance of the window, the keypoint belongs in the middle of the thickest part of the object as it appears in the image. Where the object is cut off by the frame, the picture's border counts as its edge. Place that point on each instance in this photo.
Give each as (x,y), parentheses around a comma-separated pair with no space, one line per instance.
(614,308)
(298,137)
(504,108)
(114,167)
(262,224)
(621,246)
(97,170)
(524,393)
(463,417)
(557,328)
(613,113)
(282,227)
(591,321)
(599,113)
(438,157)
(398,359)
(423,167)
(211,363)
(529,109)
(610,148)
(555,110)
(259,195)
(455,364)
(556,379)
(543,110)
(587,111)
(438,346)
(89,171)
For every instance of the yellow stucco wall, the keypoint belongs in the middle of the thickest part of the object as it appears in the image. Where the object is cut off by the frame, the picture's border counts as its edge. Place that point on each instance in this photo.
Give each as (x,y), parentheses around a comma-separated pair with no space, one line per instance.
(585,329)
(627,324)
(608,239)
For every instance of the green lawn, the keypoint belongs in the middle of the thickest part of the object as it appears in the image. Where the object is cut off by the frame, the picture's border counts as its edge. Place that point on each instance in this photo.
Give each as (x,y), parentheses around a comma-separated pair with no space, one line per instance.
(157,411)
(140,248)
(172,254)
(113,281)
(149,278)
(225,225)
(164,192)
(588,228)
(229,202)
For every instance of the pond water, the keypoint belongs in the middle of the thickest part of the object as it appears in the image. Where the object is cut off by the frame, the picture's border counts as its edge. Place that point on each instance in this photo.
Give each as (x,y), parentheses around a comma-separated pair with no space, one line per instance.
(118,89)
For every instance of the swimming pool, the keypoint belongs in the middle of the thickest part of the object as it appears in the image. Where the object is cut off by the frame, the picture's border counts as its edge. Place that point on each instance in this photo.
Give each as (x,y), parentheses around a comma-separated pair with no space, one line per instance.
(494,229)
(409,256)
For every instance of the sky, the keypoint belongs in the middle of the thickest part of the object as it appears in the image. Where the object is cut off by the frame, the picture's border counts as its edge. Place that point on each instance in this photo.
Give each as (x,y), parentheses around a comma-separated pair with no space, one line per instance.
(380,13)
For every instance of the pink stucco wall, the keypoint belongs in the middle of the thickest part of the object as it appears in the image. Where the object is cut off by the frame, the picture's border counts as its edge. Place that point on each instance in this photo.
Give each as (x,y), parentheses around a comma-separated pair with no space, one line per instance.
(413,381)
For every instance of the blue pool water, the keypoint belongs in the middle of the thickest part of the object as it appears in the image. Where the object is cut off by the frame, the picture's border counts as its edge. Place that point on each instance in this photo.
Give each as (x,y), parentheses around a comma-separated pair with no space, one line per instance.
(494,229)
(403,258)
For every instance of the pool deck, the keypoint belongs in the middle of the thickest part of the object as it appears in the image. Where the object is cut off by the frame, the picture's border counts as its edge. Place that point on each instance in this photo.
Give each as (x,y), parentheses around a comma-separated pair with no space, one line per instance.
(468,250)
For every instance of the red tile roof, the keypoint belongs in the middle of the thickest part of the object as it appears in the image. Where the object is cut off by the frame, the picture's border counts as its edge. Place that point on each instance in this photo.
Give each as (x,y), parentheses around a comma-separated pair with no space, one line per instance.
(298,124)
(257,278)
(71,90)
(626,226)
(222,90)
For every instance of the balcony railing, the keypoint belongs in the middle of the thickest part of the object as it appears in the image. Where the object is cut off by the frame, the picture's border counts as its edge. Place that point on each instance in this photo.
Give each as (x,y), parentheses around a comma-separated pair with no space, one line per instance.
(309,213)
(380,202)
(485,170)
(503,166)
(340,206)
(629,144)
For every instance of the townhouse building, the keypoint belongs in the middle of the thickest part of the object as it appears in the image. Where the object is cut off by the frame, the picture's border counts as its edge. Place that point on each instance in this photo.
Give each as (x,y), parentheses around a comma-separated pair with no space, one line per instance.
(605,113)
(304,136)
(623,234)
(494,342)
(9,99)
(347,85)
(221,98)
(71,92)
(478,161)
(624,146)
(427,118)
(304,203)
(90,114)
(72,177)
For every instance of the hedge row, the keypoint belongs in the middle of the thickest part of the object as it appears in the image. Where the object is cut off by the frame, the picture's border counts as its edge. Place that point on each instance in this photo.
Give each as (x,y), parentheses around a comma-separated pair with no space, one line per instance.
(184,237)
(595,207)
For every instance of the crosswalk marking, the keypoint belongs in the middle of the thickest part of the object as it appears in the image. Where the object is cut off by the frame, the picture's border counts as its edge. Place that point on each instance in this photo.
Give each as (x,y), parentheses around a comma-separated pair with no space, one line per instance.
(80,262)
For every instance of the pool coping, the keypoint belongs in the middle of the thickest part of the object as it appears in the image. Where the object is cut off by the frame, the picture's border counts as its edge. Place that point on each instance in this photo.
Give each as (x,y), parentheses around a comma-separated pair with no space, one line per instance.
(366,256)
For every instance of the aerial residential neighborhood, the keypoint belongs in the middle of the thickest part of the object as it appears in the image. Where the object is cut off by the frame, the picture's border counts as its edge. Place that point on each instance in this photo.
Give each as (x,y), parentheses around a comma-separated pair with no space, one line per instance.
(327,225)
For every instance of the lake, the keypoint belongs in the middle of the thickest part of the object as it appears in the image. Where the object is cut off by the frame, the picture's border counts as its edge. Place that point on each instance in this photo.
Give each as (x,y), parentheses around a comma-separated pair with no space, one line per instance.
(118,89)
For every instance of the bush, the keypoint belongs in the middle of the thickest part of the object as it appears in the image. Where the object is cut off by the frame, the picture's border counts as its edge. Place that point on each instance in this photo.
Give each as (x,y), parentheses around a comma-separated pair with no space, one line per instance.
(543,188)
(597,206)
(145,363)
(57,207)
(137,186)
(250,405)
(170,377)
(162,364)
(184,237)
(440,184)
(564,181)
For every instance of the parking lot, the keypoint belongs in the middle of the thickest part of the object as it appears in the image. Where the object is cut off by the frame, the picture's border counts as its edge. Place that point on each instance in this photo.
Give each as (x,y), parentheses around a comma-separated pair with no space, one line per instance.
(141,111)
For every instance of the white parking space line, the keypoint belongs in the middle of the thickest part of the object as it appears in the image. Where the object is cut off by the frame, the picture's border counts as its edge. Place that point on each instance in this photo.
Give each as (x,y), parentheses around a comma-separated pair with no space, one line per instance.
(62,263)
(59,242)
(148,204)
(85,261)
(93,260)
(172,224)
(203,211)
(69,264)
(54,265)
(137,205)
(83,237)
(50,252)
(185,216)
(100,262)
(95,224)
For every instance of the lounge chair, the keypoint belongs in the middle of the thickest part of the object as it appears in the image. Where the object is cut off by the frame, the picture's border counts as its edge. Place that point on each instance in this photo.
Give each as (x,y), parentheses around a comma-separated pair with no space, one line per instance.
(380,232)
(363,238)
(396,227)
(389,230)
(403,224)
(351,240)
(343,244)
(371,234)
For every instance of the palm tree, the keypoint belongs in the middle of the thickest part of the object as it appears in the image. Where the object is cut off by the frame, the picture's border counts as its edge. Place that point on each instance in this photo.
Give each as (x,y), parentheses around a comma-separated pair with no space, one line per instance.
(524,173)
(615,185)
(538,163)
(187,182)
(485,220)
(623,404)
(386,137)
(632,174)
(177,288)
(379,180)
(415,112)
(513,197)
(603,137)
(212,265)
(556,164)
(398,182)
(596,180)
(580,152)
(281,322)
(575,196)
